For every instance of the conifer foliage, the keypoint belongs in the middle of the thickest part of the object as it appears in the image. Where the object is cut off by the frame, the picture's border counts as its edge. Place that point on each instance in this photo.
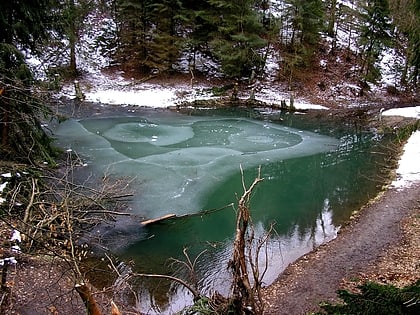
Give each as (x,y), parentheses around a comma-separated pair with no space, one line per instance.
(153,34)
(238,41)
(375,35)
(23,24)
(375,299)
(149,33)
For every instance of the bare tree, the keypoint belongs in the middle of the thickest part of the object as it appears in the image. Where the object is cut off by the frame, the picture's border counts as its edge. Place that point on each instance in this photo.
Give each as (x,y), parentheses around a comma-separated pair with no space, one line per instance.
(247,276)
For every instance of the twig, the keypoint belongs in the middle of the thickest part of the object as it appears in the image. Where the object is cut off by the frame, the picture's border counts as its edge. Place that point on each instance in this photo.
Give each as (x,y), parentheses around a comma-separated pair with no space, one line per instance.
(194,292)
(31,201)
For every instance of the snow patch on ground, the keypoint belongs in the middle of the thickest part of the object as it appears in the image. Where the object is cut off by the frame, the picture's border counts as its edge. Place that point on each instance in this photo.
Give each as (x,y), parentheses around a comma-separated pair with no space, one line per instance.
(410,112)
(408,171)
(116,90)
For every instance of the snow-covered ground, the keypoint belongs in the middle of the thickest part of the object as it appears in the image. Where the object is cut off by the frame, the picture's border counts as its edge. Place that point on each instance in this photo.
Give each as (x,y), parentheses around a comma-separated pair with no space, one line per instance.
(105,89)
(408,171)
(413,112)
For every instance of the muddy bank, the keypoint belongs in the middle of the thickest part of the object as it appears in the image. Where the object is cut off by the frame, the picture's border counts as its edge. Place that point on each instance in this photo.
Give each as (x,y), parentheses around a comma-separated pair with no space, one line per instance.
(316,276)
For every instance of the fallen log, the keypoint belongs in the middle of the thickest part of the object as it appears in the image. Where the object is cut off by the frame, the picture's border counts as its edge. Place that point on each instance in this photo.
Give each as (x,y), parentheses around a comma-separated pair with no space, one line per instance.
(174,216)
(92,307)
(156,220)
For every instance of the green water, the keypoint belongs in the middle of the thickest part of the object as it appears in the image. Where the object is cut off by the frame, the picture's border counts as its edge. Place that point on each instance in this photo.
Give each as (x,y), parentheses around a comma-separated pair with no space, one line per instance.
(190,165)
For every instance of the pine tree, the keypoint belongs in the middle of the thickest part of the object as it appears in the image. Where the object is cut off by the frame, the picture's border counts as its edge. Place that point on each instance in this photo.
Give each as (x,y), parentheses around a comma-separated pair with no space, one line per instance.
(375,35)
(150,34)
(238,41)
(406,17)
(134,25)
(199,26)
(73,15)
(332,18)
(307,22)
(167,41)
(414,45)
(23,25)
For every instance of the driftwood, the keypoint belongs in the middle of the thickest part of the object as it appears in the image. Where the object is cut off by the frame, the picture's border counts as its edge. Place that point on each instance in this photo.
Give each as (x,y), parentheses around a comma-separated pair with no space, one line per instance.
(162,218)
(244,292)
(196,294)
(174,216)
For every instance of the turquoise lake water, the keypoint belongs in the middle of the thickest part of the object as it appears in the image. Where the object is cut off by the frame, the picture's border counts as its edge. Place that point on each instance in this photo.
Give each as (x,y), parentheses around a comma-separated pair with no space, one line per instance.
(189,165)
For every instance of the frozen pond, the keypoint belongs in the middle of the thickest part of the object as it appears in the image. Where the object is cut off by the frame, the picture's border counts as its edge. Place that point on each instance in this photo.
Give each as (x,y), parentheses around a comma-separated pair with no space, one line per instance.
(189,164)
(177,162)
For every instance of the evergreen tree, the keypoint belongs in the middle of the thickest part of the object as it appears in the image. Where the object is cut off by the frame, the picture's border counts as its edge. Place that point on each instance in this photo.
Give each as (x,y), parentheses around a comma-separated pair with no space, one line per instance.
(406,17)
(150,33)
(332,18)
(375,35)
(238,41)
(376,299)
(134,25)
(167,41)
(307,22)
(72,15)
(414,45)
(23,23)
(199,26)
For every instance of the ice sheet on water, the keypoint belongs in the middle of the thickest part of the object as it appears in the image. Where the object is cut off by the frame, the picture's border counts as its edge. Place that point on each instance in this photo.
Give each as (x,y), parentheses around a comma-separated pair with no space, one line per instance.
(176,162)
(190,157)
(149,132)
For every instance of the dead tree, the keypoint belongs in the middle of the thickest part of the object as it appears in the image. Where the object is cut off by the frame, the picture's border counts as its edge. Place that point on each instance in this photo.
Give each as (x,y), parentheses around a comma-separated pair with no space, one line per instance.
(245,293)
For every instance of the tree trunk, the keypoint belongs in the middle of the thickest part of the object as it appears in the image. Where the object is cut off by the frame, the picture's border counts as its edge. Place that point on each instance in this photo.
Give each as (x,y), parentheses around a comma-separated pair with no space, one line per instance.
(5,121)
(243,292)
(332,19)
(88,299)
(72,39)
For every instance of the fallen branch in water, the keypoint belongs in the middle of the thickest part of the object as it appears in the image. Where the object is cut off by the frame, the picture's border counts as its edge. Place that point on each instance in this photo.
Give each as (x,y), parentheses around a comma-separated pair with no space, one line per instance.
(162,218)
(196,294)
(174,216)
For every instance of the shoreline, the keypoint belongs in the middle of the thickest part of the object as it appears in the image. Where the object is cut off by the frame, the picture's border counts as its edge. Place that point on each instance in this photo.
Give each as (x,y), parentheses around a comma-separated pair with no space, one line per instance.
(356,251)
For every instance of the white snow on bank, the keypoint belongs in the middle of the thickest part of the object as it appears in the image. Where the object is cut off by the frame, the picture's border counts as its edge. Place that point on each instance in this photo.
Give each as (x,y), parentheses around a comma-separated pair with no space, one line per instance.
(156,96)
(119,91)
(413,112)
(150,97)
(408,171)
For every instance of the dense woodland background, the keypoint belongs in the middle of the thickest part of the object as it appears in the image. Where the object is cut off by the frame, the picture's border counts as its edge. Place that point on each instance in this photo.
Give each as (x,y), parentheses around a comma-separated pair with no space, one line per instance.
(237,39)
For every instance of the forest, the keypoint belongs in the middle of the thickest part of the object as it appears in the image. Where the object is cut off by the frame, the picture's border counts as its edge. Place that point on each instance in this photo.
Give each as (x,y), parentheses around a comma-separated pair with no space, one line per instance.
(47,43)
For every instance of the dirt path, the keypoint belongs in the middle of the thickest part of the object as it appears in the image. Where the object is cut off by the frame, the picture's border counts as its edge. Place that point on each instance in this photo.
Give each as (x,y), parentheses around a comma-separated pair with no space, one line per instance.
(317,276)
